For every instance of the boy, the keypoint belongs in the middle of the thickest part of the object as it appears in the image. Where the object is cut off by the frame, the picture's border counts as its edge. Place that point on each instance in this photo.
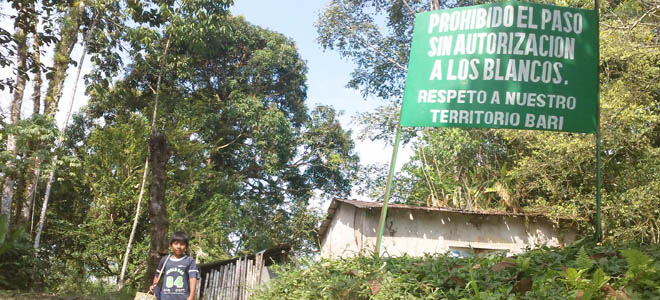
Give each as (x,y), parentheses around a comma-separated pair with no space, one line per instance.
(180,274)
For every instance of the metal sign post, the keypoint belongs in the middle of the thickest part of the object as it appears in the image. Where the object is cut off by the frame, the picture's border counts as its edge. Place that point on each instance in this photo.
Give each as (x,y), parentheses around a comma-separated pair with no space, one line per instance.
(388,190)
(599,233)
(513,65)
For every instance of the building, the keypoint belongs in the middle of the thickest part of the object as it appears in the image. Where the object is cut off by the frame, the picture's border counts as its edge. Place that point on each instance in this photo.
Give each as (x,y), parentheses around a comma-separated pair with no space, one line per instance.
(351,227)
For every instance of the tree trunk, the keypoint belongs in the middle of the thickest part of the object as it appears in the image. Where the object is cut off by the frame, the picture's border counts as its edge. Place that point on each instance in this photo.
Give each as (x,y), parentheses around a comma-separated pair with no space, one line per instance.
(19,204)
(42,218)
(135,222)
(63,48)
(58,143)
(157,205)
(34,169)
(27,214)
(435,4)
(69,37)
(159,211)
(36,56)
(31,181)
(20,36)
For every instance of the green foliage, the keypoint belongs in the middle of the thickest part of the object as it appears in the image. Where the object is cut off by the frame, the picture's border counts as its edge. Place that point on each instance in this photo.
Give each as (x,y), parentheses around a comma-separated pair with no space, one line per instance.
(86,291)
(642,273)
(537,274)
(18,265)
(583,261)
(505,169)
(245,152)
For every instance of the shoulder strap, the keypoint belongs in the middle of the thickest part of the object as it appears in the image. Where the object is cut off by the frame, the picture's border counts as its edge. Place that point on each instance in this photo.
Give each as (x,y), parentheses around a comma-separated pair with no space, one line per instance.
(163,268)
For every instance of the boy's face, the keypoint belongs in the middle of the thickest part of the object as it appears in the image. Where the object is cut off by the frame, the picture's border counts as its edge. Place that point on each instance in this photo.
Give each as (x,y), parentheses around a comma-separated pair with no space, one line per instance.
(178,248)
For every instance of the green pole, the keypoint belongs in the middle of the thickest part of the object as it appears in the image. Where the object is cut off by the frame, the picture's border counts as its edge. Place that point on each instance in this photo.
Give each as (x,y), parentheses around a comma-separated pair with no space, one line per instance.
(599,233)
(388,189)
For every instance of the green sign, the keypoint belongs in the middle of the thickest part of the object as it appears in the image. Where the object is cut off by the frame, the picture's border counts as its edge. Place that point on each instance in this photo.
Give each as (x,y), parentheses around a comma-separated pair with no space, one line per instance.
(504,65)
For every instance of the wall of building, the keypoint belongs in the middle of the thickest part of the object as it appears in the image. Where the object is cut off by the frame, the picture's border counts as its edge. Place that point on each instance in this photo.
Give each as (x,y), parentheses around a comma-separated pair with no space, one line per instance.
(417,232)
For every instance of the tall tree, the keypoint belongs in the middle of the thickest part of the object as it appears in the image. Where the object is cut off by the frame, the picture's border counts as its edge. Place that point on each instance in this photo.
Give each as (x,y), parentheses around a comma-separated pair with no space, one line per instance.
(548,171)
(70,28)
(22,25)
(244,151)
(102,23)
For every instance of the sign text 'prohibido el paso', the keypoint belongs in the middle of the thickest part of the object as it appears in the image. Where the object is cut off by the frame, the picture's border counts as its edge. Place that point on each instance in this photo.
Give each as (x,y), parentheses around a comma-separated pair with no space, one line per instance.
(504,65)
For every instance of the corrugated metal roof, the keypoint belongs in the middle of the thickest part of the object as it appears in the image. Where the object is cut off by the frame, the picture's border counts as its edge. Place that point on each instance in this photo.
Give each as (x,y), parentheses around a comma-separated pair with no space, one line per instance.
(334,205)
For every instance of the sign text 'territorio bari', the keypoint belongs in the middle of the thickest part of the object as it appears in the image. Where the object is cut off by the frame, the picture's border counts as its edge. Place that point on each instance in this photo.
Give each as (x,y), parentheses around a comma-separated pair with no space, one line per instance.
(504,65)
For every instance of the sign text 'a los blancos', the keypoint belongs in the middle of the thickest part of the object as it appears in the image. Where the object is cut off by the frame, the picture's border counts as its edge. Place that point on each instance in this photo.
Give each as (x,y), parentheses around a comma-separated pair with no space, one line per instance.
(503,65)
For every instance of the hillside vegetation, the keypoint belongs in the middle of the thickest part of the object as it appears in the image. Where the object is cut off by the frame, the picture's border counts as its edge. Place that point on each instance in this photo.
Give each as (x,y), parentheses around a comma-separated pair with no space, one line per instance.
(577,272)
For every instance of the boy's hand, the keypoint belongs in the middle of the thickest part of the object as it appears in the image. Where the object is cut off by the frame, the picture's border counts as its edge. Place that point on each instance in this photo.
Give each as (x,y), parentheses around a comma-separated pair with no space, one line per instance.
(151,288)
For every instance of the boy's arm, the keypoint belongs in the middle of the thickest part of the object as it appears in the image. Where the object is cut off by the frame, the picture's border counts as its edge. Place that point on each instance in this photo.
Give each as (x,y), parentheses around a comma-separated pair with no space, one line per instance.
(193,274)
(151,288)
(193,288)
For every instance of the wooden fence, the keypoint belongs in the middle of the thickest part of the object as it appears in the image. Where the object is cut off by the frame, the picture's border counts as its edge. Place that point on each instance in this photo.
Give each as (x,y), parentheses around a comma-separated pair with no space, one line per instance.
(235,279)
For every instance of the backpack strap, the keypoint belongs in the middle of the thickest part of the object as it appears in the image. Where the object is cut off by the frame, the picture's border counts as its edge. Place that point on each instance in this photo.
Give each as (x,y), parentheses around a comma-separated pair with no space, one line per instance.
(163,268)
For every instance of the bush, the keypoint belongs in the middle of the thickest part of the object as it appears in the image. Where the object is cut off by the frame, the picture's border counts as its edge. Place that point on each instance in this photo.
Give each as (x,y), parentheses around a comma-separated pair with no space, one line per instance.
(18,265)
(576,272)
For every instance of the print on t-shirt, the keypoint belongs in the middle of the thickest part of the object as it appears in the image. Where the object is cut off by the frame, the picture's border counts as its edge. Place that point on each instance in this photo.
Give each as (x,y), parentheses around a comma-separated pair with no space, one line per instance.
(176,277)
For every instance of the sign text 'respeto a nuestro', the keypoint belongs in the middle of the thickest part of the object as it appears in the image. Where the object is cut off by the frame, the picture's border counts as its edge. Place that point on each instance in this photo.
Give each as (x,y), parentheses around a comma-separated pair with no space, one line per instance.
(504,65)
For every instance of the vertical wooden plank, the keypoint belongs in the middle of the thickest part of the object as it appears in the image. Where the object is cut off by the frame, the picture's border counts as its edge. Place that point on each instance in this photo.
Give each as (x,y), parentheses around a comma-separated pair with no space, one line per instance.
(260,263)
(216,283)
(255,267)
(254,273)
(212,285)
(223,290)
(248,276)
(198,287)
(219,283)
(208,286)
(241,283)
(223,284)
(244,279)
(237,289)
(230,282)
(202,281)
(239,269)
(237,281)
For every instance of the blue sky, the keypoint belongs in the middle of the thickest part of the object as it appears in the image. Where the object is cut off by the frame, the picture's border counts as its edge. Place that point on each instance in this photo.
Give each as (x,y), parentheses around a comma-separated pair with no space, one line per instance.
(327,73)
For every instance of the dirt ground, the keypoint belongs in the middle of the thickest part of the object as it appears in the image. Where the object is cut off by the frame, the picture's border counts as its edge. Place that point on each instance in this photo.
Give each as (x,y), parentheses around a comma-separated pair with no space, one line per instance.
(13,295)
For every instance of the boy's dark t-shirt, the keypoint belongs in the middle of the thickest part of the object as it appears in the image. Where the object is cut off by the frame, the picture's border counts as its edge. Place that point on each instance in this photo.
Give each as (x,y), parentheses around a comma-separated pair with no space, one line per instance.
(176,277)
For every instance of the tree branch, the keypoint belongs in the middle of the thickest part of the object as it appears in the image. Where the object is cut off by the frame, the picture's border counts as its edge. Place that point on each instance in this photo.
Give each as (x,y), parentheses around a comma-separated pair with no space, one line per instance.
(650,11)
(409,8)
(230,143)
(372,47)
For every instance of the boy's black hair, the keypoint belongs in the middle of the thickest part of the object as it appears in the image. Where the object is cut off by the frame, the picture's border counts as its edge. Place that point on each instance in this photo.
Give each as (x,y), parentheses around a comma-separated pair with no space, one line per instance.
(180,236)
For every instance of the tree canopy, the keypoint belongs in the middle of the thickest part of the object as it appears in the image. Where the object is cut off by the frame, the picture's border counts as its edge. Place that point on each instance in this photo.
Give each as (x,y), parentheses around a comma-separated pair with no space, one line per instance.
(504,169)
(241,153)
